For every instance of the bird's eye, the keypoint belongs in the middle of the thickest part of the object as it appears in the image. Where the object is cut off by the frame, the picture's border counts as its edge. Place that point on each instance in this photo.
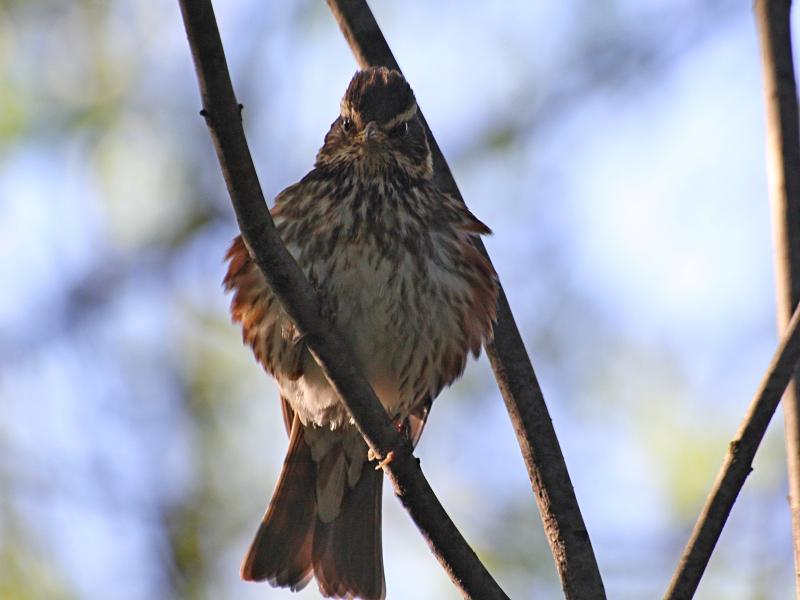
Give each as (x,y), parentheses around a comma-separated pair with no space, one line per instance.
(347,125)
(399,130)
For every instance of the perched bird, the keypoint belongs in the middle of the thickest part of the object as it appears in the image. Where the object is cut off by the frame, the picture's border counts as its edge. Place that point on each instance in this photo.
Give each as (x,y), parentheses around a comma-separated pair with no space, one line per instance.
(393,261)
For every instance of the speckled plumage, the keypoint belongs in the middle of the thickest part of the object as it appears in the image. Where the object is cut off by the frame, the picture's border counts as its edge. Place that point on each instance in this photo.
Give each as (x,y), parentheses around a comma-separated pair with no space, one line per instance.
(396,271)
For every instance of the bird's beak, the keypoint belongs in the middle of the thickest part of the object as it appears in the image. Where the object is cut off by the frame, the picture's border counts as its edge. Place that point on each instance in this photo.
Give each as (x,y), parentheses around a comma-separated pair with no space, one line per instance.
(371,131)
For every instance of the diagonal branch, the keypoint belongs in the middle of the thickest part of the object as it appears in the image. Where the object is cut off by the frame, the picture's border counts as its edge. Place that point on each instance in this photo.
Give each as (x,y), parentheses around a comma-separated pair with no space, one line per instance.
(736,466)
(299,300)
(783,160)
(547,470)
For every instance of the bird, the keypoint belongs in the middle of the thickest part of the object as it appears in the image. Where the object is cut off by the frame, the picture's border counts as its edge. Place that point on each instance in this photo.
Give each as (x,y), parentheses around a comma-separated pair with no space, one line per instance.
(393,260)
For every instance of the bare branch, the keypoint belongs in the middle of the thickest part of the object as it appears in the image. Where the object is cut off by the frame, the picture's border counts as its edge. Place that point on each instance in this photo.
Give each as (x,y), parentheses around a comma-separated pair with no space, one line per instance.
(299,300)
(736,466)
(547,470)
(783,160)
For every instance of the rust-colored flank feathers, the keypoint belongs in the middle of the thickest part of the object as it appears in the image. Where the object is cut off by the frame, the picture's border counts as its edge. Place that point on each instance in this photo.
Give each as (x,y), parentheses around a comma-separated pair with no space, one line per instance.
(393,260)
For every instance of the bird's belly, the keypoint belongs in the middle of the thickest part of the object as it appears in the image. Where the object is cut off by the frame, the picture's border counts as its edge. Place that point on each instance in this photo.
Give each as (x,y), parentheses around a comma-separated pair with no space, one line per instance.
(375,324)
(374,306)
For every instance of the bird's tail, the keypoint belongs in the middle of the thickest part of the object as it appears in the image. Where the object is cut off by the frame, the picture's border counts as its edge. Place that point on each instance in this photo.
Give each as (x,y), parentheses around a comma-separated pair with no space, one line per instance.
(282,548)
(292,542)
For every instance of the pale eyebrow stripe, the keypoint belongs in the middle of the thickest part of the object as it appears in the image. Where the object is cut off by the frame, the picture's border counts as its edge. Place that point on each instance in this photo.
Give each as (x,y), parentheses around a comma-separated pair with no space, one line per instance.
(403,116)
(345,109)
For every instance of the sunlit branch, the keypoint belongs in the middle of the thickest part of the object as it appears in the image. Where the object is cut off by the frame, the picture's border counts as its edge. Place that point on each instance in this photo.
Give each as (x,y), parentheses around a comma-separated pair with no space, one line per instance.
(297,297)
(547,470)
(736,466)
(783,161)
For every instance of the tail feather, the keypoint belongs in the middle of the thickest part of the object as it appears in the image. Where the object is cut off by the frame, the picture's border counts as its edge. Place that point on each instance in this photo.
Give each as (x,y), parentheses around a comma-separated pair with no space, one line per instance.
(292,543)
(282,549)
(347,554)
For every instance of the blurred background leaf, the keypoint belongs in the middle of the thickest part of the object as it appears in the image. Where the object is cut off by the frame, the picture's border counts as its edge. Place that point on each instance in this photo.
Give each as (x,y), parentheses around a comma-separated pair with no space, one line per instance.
(616,149)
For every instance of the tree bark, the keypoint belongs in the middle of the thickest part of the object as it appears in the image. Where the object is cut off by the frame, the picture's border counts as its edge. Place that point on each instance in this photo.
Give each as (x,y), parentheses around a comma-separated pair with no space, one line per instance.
(783,171)
(297,297)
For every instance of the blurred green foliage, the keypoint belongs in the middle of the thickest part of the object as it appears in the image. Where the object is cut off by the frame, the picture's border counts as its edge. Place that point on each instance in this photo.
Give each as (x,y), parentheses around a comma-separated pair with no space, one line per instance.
(139,441)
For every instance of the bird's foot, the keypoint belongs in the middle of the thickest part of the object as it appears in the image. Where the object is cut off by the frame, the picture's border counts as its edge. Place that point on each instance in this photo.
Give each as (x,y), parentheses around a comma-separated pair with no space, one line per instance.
(382,462)
(401,427)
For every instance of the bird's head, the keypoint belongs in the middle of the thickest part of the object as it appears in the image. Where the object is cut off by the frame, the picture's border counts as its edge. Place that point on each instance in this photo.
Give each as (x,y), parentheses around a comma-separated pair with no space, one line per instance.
(378,129)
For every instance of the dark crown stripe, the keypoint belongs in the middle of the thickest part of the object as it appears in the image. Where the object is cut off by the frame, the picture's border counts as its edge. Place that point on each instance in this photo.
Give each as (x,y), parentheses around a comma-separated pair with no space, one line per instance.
(379,94)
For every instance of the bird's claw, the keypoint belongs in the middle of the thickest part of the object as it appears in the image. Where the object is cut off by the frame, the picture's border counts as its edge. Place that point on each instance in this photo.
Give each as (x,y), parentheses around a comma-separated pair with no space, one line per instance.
(382,462)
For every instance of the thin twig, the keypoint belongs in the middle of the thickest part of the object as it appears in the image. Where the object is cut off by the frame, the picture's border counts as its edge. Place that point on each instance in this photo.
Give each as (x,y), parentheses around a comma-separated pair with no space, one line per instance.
(547,470)
(736,466)
(297,297)
(783,159)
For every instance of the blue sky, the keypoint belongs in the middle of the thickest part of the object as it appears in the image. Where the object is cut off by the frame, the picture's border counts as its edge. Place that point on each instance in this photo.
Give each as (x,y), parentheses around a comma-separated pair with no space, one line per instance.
(631,232)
